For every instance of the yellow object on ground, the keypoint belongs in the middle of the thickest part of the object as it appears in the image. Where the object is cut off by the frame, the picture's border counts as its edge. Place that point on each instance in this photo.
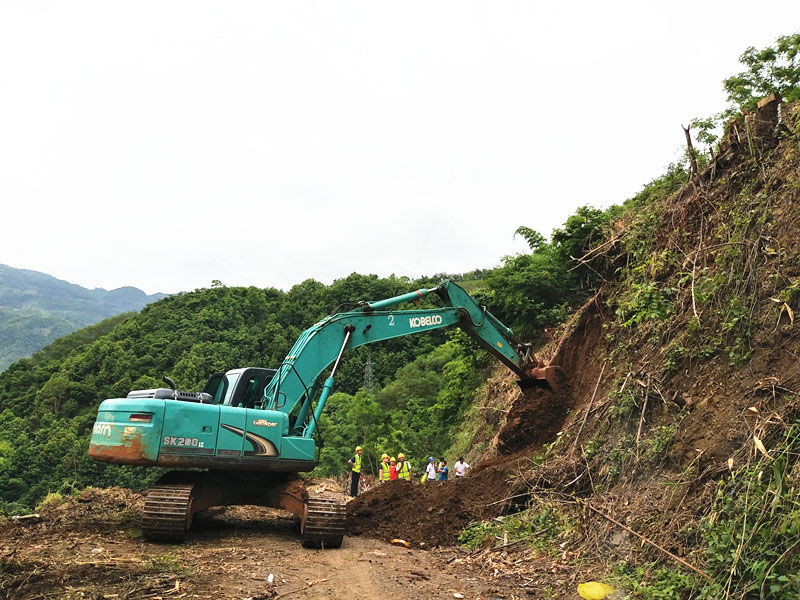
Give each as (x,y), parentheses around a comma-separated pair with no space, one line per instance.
(401,542)
(594,590)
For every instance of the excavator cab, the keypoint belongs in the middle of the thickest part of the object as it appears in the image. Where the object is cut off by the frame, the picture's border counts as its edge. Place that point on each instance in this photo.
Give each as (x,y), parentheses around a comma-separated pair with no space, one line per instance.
(239,387)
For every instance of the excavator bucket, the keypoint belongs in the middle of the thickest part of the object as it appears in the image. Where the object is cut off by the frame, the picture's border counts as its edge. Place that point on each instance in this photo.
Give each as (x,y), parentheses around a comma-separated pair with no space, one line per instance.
(550,376)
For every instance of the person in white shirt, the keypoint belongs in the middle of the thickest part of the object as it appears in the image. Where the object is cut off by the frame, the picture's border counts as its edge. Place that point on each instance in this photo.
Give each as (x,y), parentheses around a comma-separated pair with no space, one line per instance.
(460,467)
(431,469)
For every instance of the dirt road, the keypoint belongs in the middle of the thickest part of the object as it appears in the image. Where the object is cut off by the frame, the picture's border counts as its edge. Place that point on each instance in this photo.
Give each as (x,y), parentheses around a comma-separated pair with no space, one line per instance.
(87,554)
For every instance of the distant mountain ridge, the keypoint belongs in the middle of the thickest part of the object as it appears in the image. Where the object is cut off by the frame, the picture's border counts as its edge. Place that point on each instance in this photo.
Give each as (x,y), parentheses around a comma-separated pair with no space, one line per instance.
(36,308)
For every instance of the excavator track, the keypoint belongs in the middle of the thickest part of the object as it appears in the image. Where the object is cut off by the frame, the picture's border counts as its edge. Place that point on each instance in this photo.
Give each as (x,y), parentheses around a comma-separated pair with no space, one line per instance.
(172,501)
(168,512)
(323,521)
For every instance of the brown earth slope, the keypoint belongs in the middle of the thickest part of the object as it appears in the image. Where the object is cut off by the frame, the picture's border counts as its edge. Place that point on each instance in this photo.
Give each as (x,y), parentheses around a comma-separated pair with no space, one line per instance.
(680,394)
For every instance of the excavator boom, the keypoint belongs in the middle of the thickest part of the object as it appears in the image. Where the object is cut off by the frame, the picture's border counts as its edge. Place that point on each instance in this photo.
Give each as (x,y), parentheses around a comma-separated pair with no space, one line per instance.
(322,345)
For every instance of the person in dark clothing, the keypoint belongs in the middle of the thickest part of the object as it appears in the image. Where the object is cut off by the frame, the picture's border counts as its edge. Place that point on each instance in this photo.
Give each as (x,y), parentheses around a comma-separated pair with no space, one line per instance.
(355,472)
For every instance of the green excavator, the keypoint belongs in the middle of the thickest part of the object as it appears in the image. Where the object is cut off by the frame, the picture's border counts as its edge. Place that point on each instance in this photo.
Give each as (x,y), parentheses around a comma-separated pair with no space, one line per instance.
(247,435)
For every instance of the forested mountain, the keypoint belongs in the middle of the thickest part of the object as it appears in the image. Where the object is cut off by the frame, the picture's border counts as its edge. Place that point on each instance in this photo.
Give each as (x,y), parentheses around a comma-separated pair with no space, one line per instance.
(36,308)
(404,393)
(49,402)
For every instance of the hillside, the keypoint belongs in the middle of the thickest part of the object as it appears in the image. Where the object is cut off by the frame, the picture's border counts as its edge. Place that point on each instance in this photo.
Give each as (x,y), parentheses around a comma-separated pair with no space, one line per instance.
(677,435)
(36,309)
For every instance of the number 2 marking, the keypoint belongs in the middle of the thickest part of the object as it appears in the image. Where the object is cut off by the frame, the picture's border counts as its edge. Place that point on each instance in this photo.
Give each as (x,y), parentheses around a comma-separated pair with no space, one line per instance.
(391,320)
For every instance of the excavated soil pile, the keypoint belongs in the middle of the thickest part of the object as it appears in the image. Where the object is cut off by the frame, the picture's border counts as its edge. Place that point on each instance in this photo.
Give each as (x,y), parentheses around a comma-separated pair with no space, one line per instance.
(432,513)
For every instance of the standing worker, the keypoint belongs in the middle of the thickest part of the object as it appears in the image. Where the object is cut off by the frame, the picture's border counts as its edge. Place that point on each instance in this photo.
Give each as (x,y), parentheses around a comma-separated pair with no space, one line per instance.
(403,468)
(383,474)
(443,470)
(392,469)
(430,470)
(355,472)
(460,467)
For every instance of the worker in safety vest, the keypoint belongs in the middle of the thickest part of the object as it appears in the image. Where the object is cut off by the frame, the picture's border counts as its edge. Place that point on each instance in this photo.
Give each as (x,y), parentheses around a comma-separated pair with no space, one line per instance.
(403,468)
(383,474)
(355,472)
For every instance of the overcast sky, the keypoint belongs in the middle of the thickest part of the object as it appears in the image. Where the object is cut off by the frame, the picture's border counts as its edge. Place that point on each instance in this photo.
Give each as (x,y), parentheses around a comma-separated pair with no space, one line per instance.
(166,144)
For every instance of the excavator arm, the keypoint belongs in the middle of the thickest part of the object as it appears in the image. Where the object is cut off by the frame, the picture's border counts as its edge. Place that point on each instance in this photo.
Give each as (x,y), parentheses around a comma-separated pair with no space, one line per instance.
(297,379)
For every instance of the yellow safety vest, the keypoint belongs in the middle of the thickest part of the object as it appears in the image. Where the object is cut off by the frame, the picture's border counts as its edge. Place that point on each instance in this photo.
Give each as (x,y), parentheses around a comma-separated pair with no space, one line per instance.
(404,472)
(357,464)
(384,471)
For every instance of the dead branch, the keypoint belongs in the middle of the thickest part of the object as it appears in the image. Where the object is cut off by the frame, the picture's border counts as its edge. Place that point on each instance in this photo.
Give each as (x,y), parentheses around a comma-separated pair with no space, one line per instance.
(284,594)
(641,419)
(694,303)
(494,408)
(32,518)
(692,155)
(509,544)
(720,245)
(644,539)
(589,407)
(308,583)
(509,498)
(611,242)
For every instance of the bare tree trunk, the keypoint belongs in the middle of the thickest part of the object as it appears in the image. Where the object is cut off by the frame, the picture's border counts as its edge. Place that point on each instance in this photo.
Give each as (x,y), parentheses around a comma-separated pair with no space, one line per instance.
(692,155)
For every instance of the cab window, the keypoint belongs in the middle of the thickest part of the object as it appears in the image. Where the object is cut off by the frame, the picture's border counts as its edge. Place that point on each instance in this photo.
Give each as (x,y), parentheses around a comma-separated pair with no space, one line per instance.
(230,381)
(215,387)
(252,392)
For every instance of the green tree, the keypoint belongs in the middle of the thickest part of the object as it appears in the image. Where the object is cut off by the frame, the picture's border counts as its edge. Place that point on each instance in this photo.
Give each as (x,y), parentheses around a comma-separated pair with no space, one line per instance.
(533,237)
(775,68)
(54,393)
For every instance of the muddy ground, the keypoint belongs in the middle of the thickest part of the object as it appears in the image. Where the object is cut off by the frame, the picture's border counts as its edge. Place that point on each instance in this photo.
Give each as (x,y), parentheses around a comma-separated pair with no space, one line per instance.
(89,548)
